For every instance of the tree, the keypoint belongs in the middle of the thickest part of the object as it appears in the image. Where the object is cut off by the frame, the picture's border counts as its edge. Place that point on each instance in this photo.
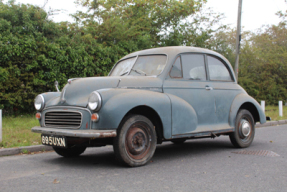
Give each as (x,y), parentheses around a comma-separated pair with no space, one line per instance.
(134,24)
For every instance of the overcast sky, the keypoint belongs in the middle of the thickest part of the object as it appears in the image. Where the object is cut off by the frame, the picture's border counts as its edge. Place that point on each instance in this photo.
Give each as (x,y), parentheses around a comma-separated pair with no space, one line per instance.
(255,13)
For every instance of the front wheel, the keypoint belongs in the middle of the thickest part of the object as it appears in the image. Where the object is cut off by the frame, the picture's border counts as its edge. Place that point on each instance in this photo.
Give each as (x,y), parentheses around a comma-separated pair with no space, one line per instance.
(70,151)
(244,129)
(136,141)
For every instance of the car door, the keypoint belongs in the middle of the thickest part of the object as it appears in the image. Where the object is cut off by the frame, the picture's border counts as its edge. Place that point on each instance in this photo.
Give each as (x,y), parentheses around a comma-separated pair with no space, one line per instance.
(225,88)
(188,81)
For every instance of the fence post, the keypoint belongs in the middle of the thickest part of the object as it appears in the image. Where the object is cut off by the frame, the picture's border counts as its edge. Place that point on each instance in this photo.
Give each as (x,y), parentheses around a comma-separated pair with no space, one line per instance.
(0,125)
(280,108)
(263,106)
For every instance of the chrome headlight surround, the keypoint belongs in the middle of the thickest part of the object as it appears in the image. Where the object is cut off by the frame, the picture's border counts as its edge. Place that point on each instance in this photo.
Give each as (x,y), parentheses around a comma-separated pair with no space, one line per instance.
(95,101)
(39,103)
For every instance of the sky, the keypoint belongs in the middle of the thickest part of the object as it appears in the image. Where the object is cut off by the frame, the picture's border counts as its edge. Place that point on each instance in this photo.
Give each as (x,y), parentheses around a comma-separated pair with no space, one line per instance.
(255,13)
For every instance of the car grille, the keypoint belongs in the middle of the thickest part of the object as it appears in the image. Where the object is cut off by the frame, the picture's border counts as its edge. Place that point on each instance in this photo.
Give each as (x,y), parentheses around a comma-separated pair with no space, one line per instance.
(63,119)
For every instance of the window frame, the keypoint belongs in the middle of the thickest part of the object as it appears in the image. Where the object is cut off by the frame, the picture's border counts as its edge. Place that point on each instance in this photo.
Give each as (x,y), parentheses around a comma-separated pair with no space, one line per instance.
(178,56)
(204,61)
(224,63)
(137,56)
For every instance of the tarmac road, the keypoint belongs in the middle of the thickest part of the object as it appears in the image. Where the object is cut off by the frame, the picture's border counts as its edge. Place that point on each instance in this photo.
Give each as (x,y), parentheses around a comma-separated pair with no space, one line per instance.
(197,165)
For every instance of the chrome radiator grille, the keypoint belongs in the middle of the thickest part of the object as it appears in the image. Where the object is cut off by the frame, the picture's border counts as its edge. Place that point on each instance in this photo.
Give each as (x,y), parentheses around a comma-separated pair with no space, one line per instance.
(63,119)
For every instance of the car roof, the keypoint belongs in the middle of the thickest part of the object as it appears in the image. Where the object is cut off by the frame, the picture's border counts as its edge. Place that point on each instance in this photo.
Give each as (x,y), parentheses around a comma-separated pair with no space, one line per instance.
(173,50)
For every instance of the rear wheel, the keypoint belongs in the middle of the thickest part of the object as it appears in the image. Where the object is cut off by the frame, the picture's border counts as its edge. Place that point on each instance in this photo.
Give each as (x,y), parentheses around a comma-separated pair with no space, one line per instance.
(136,141)
(244,129)
(70,151)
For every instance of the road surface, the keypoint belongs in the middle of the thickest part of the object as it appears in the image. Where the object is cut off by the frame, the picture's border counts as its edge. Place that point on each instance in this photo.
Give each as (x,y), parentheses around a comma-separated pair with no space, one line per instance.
(197,165)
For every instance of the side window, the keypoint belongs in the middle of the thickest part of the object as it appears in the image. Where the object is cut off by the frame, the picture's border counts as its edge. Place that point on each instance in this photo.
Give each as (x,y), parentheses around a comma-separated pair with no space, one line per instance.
(193,67)
(176,71)
(217,70)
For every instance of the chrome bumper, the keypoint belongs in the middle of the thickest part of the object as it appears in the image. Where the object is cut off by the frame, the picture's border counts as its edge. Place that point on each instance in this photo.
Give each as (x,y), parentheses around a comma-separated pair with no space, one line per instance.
(76,133)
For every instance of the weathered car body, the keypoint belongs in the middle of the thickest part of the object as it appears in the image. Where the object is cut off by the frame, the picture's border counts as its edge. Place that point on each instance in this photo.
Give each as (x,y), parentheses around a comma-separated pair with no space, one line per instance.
(189,93)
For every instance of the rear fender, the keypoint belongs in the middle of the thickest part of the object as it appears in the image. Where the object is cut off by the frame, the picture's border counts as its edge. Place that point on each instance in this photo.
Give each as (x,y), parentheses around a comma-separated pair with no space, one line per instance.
(238,102)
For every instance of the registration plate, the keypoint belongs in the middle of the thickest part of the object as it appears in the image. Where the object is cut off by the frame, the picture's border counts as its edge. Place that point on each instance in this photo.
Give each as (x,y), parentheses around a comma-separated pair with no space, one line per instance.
(57,141)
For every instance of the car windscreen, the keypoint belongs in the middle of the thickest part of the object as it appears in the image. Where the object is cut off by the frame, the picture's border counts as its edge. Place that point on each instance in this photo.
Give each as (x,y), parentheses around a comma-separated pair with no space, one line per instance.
(146,65)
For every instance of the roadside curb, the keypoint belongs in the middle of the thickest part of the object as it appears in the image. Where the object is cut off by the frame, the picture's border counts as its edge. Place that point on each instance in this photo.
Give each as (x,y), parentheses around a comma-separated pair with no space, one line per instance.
(18,150)
(37,148)
(271,123)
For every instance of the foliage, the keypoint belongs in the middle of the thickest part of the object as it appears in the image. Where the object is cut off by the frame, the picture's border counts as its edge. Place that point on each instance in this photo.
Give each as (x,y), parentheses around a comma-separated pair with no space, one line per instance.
(36,51)
(262,61)
(134,24)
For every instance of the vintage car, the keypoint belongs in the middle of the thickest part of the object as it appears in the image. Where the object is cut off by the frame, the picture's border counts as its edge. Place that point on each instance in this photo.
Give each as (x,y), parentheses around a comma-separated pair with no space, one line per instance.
(150,96)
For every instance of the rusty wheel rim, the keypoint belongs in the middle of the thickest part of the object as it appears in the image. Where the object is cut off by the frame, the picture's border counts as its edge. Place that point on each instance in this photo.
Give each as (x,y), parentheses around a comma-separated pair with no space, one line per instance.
(137,142)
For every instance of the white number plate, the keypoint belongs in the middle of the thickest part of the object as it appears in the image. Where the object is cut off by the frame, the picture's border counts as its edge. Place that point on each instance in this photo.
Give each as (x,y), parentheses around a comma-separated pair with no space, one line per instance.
(57,141)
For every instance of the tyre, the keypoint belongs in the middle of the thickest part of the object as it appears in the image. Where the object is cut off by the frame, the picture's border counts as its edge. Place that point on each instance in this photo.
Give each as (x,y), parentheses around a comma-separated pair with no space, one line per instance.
(178,141)
(136,141)
(70,151)
(244,129)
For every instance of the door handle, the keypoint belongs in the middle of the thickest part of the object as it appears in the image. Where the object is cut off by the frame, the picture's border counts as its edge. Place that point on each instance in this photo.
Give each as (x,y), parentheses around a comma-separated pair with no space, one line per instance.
(208,88)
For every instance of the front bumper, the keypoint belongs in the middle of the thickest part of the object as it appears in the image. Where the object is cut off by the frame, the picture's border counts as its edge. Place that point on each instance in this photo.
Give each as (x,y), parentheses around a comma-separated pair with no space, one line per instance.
(76,133)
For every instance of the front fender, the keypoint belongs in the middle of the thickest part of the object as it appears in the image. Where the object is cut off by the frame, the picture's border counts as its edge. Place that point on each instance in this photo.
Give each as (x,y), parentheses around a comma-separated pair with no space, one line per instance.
(240,100)
(118,102)
(51,98)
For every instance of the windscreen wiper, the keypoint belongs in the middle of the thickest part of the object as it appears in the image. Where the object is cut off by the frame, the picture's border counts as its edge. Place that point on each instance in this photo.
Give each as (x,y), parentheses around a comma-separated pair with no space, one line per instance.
(139,71)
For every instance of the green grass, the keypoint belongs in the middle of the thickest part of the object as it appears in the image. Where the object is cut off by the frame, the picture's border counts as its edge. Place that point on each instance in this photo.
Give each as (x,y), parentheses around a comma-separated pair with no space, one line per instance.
(16,131)
(273,112)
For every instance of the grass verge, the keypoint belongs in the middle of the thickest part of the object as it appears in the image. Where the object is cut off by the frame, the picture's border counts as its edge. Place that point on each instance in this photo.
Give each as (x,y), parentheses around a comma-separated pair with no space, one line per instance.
(273,112)
(16,131)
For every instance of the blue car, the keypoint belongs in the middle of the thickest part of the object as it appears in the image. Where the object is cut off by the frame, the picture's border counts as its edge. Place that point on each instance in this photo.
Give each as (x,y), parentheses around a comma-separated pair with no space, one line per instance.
(149,97)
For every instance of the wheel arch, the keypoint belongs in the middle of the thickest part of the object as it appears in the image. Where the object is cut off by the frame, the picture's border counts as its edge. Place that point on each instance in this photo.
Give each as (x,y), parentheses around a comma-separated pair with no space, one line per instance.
(244,101)
(152,115)
(119,103)
(252,109)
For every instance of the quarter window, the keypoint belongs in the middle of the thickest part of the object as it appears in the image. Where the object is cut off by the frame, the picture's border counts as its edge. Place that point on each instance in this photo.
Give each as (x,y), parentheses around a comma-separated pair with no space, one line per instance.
(176,71)
(193,67)
(217,70)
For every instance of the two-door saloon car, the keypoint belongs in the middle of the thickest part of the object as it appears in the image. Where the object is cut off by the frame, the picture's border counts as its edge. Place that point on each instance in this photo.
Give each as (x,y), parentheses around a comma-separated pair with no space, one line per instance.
(150,96)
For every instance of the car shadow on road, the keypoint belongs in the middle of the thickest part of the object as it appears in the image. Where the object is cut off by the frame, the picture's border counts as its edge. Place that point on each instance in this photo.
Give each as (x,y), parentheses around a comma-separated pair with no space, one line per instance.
(104,156)
(192,148)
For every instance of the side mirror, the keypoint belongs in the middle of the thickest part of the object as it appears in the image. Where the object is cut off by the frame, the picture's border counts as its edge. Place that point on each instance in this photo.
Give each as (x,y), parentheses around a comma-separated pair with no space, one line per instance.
(56,85)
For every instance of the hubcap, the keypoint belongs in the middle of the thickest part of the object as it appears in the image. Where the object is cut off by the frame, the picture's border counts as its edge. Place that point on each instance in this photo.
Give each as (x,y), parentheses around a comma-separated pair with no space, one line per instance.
(245,128)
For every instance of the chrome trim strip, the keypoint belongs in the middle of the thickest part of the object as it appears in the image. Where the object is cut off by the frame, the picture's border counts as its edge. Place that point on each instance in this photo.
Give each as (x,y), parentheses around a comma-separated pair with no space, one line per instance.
(76,133)
(203,134)
(69,107)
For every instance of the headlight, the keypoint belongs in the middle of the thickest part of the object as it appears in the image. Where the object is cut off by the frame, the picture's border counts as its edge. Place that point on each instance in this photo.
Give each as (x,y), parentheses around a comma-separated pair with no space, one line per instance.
(39,103)
(95,101)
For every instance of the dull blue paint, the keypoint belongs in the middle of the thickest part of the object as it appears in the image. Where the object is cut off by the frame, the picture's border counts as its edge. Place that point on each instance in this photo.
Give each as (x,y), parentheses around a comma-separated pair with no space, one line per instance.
(185,107)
